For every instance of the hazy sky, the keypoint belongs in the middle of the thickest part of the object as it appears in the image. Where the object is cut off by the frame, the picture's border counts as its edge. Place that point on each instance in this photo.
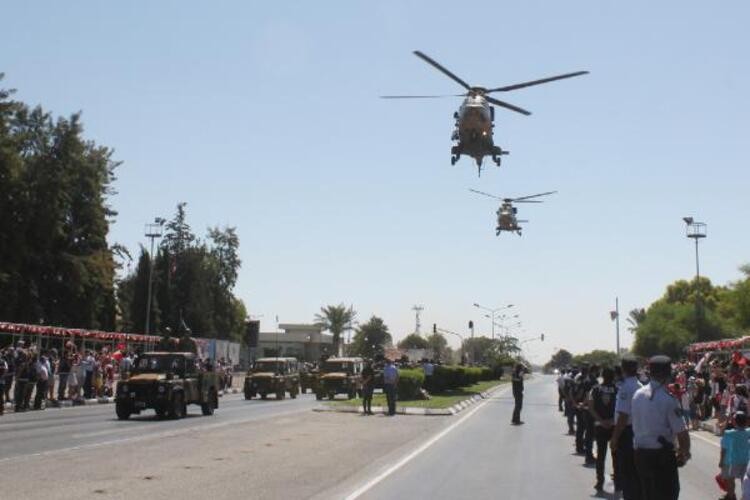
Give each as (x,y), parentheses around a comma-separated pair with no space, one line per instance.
(265,116)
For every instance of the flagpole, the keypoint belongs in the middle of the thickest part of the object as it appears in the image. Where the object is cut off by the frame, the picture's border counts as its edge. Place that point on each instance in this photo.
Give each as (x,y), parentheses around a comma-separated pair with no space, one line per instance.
(617,322)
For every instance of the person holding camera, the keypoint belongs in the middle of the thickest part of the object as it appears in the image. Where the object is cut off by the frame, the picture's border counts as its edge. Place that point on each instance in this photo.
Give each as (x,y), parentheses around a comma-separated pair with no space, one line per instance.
(657,423)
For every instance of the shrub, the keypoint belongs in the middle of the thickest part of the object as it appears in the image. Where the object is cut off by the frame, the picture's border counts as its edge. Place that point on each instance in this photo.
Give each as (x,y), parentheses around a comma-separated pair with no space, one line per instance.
(410,382)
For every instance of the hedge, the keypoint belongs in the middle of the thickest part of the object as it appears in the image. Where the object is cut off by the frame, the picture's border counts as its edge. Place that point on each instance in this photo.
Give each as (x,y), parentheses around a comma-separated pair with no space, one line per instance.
(446,377)
(410,381)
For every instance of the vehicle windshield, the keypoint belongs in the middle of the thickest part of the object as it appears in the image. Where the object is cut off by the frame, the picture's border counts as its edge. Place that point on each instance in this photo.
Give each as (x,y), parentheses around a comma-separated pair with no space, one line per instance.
(269,366)
(159,364)
(337,366)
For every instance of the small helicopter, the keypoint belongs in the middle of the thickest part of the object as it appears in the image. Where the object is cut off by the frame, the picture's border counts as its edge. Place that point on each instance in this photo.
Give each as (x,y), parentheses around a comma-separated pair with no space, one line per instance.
(506,214)
(475,118)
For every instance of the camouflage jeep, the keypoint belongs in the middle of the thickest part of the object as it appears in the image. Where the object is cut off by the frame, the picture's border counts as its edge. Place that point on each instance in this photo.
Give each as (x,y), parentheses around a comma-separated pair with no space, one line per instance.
(340,376)
(272,376)
(167,382)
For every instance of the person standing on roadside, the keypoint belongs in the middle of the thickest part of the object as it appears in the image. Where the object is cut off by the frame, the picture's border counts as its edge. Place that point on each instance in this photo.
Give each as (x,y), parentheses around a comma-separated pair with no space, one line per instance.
(390,385)
(602,408)
(657,421)
(368,385)
(88,375)
(3,371)
(517,381)
(621,443)
(41,367)
(63,370)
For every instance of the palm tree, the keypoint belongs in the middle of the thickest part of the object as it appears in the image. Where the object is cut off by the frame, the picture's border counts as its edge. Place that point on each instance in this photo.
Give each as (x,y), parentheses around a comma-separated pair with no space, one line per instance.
(336,319)
(635,318)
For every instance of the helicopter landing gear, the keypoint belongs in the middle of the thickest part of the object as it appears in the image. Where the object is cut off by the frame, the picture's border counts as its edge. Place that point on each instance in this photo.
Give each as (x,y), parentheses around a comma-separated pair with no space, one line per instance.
(496,159)
(497,155)
(454,159)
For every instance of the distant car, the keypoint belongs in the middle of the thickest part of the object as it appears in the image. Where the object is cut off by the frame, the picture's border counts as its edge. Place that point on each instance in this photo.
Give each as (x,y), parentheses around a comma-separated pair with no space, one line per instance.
(273,376)
(340,376)
(167,382)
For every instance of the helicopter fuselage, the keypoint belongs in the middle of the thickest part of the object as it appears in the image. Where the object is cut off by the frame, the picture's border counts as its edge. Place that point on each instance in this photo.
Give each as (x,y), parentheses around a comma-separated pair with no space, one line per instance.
(473,132)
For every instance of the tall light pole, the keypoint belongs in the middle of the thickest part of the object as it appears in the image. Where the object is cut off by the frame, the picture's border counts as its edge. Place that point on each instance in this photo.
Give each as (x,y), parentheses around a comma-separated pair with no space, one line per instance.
(153,231)
(492,312)
(696,231)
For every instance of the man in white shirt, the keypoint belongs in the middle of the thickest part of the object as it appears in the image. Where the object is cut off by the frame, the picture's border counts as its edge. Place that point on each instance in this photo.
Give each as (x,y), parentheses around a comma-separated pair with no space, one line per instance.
(42,377)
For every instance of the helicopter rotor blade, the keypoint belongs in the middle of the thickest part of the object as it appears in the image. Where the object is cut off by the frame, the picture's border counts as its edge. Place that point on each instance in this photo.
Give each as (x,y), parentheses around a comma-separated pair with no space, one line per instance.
(442,69)
(524,199)
(511,107)
(537,82)
(419,96)
(485,194)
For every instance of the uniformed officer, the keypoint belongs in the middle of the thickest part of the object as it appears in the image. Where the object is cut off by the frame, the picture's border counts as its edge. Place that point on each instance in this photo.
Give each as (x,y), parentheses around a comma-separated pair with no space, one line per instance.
(621,444)
(602,408)
(517,380)
(584,423)
(657,421)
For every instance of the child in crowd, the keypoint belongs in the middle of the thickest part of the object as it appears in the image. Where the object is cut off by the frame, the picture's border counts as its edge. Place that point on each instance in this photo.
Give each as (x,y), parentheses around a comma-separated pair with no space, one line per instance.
(734,456)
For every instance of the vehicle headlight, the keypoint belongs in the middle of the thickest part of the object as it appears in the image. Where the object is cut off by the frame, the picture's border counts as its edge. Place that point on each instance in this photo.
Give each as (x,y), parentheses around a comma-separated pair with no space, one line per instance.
(162,389)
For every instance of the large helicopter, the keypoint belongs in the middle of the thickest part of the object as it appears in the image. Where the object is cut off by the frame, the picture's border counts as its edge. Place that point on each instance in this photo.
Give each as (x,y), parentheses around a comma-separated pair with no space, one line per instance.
(475,118)
(507,219)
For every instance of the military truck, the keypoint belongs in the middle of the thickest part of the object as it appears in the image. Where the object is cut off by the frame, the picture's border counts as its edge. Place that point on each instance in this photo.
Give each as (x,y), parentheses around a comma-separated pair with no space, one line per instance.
(340,376)
(167,382)
(273,376)
(308,378)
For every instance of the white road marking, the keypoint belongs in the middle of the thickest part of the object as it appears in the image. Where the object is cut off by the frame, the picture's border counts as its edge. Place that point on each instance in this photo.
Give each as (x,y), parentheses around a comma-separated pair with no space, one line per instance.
(408,458)
(705,439)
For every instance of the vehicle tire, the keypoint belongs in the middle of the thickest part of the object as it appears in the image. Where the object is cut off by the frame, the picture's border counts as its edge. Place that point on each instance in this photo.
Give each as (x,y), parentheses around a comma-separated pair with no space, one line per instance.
(360,394)
(331,396)
(293,392)
(248,395)
(122,410)
(318,396)
(280,395)
(263,395)
(209,406)
(178,409)
(351,394)
(161,412)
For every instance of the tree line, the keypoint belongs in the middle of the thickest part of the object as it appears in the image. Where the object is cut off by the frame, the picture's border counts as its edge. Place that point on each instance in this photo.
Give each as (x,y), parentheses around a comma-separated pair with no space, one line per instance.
(56,266)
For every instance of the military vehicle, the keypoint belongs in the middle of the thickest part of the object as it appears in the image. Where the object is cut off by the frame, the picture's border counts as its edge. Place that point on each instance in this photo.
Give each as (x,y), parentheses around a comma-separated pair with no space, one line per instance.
(340,376)
(167,382)
(309,376)
(273,376)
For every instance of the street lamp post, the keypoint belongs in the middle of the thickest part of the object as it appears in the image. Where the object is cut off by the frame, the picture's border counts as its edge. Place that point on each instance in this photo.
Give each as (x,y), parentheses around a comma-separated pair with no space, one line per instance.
(696,231)
(493,312)
(153,231)
(436,329)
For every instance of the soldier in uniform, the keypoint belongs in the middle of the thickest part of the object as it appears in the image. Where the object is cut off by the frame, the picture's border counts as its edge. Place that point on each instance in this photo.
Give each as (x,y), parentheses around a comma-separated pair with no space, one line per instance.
(657,421)
(621,443)
(602,409)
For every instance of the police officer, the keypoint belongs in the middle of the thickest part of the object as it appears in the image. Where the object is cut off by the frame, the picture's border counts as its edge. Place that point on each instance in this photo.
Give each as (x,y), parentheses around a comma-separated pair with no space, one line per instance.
(657,421)
(602,409)
(621,444)
(584,423)
(517,380)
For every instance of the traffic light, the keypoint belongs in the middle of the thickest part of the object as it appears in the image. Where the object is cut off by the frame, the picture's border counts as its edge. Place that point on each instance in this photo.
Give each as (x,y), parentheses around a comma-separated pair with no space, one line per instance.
(542,337)
(434,328)
(471,325)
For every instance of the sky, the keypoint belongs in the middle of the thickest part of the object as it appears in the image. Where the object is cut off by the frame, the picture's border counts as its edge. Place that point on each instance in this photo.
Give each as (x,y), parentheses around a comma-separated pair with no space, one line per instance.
(265,116)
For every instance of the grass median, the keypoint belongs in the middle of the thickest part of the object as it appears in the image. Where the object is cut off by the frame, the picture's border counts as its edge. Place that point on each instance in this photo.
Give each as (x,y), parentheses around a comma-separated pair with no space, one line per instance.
(439,400)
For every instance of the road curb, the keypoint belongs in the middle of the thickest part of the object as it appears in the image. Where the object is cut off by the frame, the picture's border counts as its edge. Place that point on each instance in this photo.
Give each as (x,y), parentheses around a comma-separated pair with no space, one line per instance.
(412,410)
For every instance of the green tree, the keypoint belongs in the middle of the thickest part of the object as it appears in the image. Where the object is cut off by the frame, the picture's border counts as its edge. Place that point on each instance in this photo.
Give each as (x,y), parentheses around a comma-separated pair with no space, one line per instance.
(335,319)
(439,347)
(413,341)
(371,338)
(597,357)
(560,359)
(56,266)
(635,318)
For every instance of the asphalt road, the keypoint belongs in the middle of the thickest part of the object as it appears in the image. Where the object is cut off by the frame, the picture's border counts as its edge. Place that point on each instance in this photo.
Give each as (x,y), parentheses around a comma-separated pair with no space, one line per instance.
(55,429)
(485,457)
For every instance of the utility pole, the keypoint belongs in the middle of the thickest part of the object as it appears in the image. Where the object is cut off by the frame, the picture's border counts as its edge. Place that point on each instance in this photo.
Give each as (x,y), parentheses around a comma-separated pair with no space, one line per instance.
(696,231)
(153,231)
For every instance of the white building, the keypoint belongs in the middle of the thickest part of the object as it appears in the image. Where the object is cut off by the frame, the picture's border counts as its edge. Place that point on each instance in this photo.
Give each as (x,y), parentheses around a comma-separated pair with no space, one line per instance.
(305,342)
